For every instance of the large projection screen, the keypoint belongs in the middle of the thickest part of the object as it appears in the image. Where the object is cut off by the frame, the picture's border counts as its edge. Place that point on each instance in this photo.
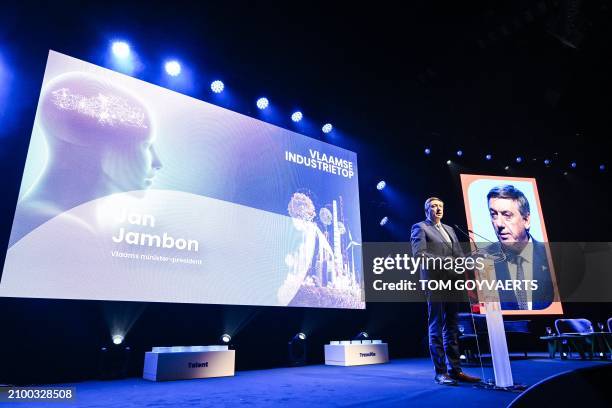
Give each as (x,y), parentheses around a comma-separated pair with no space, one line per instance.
(134,192)
(501,211)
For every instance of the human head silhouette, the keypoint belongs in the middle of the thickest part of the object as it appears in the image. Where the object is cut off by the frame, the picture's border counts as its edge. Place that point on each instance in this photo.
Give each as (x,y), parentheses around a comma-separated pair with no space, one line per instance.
(99,127)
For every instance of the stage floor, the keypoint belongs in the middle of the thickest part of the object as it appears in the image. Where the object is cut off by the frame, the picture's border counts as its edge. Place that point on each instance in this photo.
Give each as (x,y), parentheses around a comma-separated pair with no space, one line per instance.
(404,382)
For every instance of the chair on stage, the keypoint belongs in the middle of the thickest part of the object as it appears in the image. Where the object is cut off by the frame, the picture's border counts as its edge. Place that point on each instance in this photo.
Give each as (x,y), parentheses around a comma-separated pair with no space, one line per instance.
(473,335)
(575,334)
(519,335)
(602,340)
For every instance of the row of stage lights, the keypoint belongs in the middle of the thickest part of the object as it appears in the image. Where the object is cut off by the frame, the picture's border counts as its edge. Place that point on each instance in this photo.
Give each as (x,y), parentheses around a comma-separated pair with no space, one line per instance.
(518,160)
(382,184)
(225,338)
(121,50)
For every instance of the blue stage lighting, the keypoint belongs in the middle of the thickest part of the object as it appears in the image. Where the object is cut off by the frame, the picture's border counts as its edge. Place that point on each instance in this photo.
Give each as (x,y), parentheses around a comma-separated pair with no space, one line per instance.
(5,80)
(262,103)
(384,221)
(217,86)
(296,116)
(121,49)
(173,68)
(1,72)
(602,167)
(327,128)
(428,151)
(120,57)
(546,162)
(574,164)
(381,184)
(117,339)
(459,153)
(488,156)
(519,159)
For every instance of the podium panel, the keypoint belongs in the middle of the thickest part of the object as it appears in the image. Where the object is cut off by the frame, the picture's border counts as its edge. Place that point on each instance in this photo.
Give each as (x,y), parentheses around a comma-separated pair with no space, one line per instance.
(184,365)
(356,354)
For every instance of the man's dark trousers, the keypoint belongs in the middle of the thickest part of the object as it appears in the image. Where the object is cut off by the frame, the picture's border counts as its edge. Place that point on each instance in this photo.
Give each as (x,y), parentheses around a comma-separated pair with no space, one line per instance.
(443,336)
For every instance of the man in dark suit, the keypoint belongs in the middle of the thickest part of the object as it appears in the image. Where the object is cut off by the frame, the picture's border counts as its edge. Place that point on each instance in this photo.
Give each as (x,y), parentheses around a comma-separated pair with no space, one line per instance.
(432,239)
(526,258)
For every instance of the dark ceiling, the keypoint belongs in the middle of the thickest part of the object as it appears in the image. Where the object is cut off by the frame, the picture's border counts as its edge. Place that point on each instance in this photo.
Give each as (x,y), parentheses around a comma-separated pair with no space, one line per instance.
(483,72)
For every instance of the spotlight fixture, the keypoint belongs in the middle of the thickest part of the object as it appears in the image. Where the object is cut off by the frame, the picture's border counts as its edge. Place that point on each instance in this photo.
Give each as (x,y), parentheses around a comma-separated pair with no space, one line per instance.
(384,221)
(327,128)
(459,153)
(217,86)
(173,68)
(602,167)
(427,151)
(507,168)
(448,162)
(488,156)
(225,338)
(574,164)
(362,336)
(381,184)
(117,339)
(121,49)
(519,159)
(113,361)
(296,116)
(262,103)
(297,350)
(546,162)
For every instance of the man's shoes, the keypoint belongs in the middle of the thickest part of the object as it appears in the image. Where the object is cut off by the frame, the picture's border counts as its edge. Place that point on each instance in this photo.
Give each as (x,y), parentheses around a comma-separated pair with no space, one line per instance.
(444,379)
(463,377)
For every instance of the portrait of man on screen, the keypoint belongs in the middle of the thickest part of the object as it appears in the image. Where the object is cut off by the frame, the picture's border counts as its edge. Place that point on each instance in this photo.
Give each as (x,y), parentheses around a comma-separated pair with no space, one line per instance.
(525,258)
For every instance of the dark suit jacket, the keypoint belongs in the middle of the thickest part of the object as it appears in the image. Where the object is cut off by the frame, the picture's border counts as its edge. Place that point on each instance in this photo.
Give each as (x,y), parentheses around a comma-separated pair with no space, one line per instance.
(541,272)
(426,239)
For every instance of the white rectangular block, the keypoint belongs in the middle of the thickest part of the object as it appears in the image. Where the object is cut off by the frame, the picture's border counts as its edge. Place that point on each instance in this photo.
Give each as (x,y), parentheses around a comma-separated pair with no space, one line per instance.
(185,365)
(356,354)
